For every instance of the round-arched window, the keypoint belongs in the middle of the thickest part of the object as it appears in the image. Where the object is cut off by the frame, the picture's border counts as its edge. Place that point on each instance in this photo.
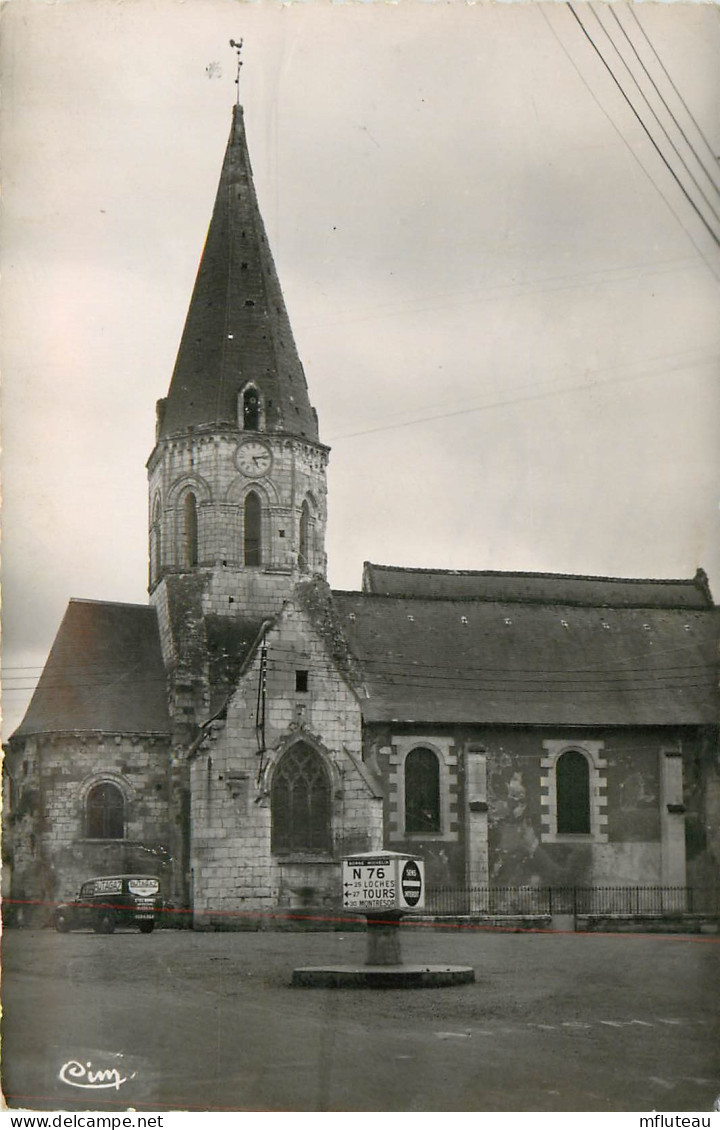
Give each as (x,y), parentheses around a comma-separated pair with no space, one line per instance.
(572,784)
(251,410)
(422,792)
(304,539)
(252,530)
(105,812)
(191,530)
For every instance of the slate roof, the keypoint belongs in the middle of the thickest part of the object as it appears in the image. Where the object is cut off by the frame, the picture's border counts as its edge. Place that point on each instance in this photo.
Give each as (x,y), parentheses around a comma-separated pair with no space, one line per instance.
(237,327)
(104,672)
(229,643)
(543,588)
(515,662)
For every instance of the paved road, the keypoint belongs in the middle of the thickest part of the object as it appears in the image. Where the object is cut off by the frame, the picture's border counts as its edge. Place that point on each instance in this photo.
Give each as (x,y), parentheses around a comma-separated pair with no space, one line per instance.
(204,1021)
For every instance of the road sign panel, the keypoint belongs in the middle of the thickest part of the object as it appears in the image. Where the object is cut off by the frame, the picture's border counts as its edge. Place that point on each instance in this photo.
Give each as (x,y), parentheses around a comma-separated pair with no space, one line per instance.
(411,883)
(382,882)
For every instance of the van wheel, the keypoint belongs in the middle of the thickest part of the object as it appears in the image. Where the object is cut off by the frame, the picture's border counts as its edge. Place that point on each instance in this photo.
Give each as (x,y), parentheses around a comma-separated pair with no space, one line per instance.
(105,923)
(146,927)
(62,924)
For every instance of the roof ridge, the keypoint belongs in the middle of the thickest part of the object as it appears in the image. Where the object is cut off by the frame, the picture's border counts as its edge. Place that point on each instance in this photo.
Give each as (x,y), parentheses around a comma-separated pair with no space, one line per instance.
(537,601)
(544,576)
(113,603)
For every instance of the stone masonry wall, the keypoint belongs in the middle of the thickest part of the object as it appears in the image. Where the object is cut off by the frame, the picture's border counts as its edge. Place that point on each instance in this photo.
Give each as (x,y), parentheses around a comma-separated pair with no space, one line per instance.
(512,812)
(233,865)
(51,854)
(205,463)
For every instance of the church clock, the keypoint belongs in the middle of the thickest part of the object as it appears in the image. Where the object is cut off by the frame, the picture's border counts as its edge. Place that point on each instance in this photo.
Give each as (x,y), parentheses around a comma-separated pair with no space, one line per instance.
(254,459)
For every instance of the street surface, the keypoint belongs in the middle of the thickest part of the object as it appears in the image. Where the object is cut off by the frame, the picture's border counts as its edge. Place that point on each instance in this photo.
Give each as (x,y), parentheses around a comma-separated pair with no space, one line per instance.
(208,1021)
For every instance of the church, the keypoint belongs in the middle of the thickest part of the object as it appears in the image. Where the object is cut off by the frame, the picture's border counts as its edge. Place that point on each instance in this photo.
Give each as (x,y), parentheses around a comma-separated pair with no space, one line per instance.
(249,726)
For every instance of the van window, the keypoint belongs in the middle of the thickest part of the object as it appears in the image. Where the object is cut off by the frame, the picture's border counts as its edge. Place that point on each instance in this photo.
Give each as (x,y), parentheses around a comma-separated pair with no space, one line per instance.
(143,886)
(108,886)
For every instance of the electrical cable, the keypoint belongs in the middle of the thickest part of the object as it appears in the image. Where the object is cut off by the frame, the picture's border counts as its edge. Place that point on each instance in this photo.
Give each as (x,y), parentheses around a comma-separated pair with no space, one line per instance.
(652,140)
(650,107)
(660,95)
(465,411)
(711,268)
(633,13)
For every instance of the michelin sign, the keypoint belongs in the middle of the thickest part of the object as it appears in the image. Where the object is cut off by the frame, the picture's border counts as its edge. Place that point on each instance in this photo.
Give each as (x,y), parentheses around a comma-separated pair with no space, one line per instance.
(383,881)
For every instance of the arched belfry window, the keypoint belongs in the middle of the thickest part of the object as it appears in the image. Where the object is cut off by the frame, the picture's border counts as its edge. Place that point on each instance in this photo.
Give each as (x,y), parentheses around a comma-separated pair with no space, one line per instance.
(191,530)
(300,802)
(422,792)
(155,542)
(252,530)
(105,813)
(572,782)
(304,538)
(251,409)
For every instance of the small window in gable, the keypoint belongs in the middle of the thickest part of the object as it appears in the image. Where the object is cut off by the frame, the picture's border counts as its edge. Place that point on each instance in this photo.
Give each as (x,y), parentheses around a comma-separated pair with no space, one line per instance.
(105,813)
(422,792)
(252,530)
(572,779)
(301,681)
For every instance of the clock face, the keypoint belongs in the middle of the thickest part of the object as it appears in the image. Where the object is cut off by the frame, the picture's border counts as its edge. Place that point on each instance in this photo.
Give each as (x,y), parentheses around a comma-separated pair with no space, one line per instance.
(254,459)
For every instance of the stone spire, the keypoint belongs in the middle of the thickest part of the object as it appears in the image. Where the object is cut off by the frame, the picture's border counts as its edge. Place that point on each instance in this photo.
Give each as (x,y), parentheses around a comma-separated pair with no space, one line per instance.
(237,331)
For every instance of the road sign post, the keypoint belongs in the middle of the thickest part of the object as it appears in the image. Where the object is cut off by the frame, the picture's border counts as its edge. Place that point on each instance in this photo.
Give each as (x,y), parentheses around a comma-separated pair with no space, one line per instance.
(384,886)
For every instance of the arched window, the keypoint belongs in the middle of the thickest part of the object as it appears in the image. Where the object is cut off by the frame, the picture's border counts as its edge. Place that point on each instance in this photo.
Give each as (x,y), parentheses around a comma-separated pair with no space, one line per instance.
(191,530)
(105,818)
(252,531)
(304,539)
(251,410)
(572,782)
(155,542)
(422,792)
(300,802)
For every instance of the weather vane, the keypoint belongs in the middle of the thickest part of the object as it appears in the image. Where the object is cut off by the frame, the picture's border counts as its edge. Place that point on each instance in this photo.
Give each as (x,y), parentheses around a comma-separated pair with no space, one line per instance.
(238,48)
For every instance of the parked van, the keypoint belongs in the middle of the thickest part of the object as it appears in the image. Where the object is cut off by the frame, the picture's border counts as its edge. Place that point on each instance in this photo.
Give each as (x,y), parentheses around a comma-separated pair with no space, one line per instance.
(110,901)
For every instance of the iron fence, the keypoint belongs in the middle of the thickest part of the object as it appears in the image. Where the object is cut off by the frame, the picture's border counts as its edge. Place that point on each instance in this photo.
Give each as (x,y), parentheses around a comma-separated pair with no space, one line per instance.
(539,901)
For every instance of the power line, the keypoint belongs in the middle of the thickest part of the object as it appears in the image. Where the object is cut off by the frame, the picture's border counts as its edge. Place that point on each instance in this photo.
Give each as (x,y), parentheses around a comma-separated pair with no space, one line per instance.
(465,411)
(633,13)
(385,663)
(486,686)
(446,299)
(113,672)
(577,675)
(650,107)
(711,268)
(480,687)
(650,137)
(660,95)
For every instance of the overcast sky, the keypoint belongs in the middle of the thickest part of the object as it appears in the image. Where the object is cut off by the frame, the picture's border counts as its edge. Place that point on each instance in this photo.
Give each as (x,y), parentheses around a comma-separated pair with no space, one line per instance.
(506,308)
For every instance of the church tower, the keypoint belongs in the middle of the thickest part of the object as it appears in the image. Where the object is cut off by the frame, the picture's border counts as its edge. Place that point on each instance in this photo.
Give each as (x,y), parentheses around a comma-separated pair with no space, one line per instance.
(237,477)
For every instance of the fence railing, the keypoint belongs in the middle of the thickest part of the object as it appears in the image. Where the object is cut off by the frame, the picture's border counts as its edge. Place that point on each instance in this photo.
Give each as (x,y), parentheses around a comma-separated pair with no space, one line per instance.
(624,901)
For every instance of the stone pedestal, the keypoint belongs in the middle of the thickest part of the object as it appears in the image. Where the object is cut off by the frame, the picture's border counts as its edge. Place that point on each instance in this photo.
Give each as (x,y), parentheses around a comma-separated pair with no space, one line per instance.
(384,967)
(383,939)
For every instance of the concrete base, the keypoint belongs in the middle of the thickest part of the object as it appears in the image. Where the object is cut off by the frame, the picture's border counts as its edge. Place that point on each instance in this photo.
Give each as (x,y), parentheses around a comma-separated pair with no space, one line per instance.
(382,976)
(563,923)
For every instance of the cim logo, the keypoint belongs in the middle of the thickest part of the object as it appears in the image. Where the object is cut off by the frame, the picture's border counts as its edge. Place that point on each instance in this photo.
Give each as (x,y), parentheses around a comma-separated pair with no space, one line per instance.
(411,883)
